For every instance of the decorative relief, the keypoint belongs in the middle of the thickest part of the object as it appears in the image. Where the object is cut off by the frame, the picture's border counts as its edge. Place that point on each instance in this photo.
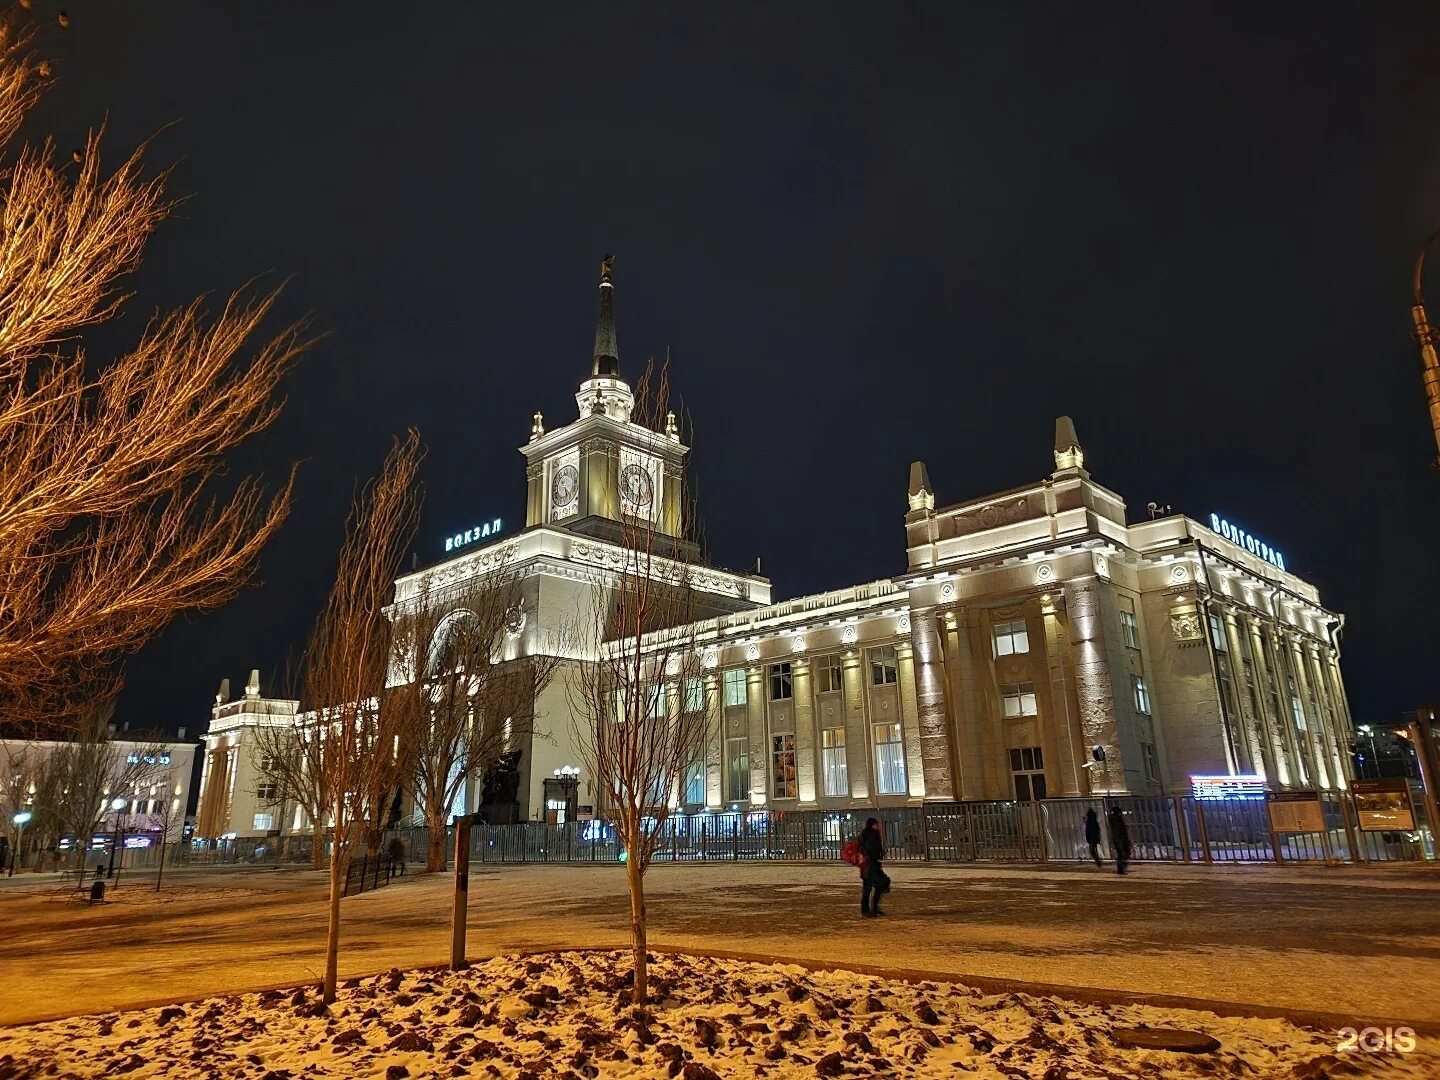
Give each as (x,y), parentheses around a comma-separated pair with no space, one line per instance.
(848,635)
(997,513)
(1102,566)
(1044,574)
(1185,625)
(947,591)
(903,623)
(797,643)
(1179,573)
(752,652)
(712,658)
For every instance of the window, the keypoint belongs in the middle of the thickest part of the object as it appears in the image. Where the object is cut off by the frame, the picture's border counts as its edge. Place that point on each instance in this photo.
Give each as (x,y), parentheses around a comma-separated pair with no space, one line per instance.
(1295,710)
(265,793)
(782,685)
(1028,768)
(734,687)
(267,764)
(883,666)
(737,773)
(1129,627)
(889,760)
(1142,694)
(1217,634)
(1011,638)
(783,763)
(263,823)
(695,784)
(655,701)
(827,671)
(832,762)
(1152,762)
(1017,699)
(694,695)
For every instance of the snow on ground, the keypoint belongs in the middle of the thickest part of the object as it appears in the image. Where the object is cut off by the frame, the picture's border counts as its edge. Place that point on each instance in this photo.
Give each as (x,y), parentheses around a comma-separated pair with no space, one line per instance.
(566,1015)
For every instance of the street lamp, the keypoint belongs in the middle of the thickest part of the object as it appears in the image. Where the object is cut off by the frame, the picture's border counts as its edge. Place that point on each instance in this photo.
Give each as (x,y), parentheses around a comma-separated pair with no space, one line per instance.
(1425,335)
(118,805)
(1369,732)
(19,819)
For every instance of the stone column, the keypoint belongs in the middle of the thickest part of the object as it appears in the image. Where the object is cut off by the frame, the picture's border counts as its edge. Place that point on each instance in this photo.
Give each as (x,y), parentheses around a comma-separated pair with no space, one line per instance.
(909,718)
(805,738)
(1251,746)
(714,742)
(1325,704)
(1094,690)
(1295,771)
(937,781)
(857,728)
(756,731)
(1242,643)
(1068,749)
(964,719)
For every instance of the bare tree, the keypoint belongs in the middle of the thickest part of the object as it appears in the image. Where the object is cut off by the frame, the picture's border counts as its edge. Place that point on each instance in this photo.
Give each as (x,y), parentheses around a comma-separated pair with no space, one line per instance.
(457,692)
(291,760)
(636,729)
(345,669)
(106,527)
(75,781)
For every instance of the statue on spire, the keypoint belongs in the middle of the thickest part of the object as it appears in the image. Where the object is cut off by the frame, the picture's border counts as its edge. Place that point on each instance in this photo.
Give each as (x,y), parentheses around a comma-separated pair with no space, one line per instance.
(607,264)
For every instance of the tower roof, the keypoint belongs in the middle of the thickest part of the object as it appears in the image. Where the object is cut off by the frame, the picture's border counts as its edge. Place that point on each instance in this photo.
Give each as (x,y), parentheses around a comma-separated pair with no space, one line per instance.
(607,353)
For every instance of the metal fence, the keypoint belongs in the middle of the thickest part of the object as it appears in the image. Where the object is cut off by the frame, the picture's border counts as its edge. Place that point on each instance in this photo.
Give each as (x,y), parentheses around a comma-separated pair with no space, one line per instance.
(1161,829)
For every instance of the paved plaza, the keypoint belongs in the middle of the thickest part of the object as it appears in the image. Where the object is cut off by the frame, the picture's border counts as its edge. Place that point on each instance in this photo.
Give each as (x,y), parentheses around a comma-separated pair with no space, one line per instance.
(1343,941)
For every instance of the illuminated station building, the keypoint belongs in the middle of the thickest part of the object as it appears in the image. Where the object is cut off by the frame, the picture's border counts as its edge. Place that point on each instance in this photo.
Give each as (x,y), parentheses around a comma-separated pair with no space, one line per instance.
(1038,645)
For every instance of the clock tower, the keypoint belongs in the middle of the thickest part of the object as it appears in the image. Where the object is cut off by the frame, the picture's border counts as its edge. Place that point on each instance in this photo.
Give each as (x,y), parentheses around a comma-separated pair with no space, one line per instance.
(603,469)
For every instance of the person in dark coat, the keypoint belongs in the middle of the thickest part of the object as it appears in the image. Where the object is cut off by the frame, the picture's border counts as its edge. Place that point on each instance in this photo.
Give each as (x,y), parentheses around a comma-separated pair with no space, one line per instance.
(397,857)
(1092,835)
(1119,840)
(873,879)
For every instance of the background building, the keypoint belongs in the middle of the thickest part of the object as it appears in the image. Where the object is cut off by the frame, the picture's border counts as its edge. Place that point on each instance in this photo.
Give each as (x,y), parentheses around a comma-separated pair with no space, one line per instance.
(1038,645)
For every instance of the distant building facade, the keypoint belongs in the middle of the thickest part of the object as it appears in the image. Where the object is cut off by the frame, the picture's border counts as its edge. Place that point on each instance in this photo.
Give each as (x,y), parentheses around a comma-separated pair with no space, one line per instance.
(1038,645)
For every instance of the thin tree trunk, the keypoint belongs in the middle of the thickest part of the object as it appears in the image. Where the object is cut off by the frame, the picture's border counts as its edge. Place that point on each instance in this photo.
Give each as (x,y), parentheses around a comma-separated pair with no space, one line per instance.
(636,878)
(317,846)
(435,854)
(332,933)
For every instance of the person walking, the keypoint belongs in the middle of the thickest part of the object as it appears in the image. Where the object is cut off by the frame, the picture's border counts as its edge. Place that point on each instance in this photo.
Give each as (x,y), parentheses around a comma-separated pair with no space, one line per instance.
(1119,840)
(397,857)
(873,880)
(1092,835)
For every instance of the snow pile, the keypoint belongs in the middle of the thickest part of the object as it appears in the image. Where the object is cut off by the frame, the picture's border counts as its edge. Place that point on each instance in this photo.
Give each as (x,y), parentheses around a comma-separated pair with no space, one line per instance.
(566,1015)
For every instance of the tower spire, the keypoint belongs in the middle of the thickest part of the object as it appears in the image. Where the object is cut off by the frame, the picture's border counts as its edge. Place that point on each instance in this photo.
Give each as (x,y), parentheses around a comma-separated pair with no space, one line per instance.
(607,353)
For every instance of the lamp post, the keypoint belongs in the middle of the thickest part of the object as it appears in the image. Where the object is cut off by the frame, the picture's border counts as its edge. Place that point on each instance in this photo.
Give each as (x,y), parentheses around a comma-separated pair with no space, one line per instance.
(118,805)
(1369,732)
(19,819)
(1425,335)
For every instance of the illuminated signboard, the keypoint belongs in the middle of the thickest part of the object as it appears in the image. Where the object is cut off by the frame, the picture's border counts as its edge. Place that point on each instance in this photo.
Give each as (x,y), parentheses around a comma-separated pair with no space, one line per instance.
(470,536)
(1241,538)
(1227,787)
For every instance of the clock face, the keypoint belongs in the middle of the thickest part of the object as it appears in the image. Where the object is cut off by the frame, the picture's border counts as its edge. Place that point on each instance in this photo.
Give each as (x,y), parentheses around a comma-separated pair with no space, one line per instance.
(564,486)
(636,486)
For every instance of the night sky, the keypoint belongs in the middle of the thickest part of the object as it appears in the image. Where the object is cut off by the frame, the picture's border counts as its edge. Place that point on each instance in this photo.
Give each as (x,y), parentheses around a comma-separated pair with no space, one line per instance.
(867,233)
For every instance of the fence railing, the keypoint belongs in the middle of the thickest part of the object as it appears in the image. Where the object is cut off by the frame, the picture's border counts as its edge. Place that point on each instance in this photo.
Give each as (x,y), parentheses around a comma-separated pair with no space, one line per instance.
(1160,829)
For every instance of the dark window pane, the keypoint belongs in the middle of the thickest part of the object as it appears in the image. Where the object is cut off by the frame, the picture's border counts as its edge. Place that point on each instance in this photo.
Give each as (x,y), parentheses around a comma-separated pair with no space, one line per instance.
(1015,761)
(1037,785)
(1022,787)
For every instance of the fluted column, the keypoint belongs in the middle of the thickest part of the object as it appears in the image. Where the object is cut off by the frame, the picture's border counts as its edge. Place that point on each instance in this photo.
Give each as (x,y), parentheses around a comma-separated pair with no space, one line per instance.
(714,742)
(804,713)
(933,716)
(755,730)
(857,728)
(1094,689)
